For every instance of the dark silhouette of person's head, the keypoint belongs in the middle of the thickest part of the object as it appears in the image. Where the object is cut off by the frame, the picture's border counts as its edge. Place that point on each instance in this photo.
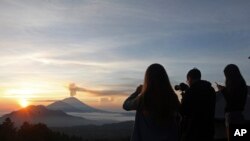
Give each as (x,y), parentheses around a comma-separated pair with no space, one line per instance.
(159,98)
(233,76)
(155,77)
(193,75)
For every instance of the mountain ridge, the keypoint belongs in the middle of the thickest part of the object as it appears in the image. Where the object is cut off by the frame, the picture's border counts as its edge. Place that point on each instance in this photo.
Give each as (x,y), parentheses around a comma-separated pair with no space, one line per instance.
(72,104)
(40,114)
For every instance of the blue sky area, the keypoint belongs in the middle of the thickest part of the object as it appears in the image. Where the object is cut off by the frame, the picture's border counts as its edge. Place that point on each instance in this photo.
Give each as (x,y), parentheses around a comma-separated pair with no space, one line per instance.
(107,45)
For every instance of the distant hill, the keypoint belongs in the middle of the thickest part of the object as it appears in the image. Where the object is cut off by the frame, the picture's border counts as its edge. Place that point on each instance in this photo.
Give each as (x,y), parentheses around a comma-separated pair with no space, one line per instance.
(111,132)
(72,104)
(118,131)
(40,114)
(62,106)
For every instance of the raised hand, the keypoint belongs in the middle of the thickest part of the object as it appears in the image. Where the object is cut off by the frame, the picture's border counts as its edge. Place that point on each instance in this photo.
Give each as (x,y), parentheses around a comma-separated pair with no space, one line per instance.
(220,87)
(139,89)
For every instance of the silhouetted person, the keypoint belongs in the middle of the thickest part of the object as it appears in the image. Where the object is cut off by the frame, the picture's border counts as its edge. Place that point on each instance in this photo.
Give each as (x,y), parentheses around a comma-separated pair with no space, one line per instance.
(156,106)
(235,94)
(198,109)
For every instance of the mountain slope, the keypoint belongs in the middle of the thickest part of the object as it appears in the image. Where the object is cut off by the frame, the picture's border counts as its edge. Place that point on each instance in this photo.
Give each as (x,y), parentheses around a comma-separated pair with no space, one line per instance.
(72,104)
(40,114)
(60,105)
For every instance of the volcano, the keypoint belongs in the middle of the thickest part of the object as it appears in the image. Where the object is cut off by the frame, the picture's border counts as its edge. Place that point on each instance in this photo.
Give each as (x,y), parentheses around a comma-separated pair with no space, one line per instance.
(73,104)
(40,114)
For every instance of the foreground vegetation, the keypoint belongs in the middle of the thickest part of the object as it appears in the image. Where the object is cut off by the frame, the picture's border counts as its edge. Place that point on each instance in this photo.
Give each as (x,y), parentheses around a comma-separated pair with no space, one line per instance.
(40,132)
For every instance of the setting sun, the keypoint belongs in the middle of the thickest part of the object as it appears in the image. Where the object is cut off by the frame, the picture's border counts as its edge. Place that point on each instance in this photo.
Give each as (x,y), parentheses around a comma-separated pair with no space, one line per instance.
(23,103)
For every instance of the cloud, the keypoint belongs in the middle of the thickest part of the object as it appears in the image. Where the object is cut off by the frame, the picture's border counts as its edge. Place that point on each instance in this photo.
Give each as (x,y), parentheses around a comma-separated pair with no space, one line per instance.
(73,88)
(46,101)
(106,99)
(107,45)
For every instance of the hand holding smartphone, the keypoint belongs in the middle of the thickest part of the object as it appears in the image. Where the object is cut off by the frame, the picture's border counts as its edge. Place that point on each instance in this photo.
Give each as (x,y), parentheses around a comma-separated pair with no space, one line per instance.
(139,89)
(220,87)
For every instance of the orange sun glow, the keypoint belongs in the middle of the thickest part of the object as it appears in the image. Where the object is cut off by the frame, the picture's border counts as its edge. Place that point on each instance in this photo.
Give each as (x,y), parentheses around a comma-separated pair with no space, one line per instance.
(23,103)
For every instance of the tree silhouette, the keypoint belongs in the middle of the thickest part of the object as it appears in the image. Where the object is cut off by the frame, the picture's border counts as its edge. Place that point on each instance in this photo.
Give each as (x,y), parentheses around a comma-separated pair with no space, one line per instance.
(40,132)
(7,131)
(25,131)
(31,132)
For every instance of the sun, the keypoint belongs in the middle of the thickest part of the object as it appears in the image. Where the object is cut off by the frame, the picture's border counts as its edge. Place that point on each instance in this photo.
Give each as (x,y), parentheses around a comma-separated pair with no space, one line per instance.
(23,103)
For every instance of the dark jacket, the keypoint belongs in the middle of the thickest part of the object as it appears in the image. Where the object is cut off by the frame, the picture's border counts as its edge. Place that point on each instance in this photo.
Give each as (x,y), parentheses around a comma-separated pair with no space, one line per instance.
(235,97)
(145,128)
(198,109)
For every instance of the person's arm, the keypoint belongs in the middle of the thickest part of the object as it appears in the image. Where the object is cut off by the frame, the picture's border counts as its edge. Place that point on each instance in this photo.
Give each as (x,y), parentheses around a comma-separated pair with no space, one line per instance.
(226,94)
(224,90)
(131,103)
(185,103)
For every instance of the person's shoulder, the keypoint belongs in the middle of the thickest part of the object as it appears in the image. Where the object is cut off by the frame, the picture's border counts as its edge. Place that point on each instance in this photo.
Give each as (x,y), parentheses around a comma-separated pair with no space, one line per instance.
(201,86)
(204,84)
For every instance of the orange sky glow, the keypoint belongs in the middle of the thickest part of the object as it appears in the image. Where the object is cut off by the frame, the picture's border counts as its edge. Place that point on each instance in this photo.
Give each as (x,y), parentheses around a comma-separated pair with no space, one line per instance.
(105,47)
(45,92)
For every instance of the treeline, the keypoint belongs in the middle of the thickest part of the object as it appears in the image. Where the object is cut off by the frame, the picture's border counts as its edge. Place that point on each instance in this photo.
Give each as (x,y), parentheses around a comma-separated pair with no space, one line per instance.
(31,132)
(40,132)
(107,132)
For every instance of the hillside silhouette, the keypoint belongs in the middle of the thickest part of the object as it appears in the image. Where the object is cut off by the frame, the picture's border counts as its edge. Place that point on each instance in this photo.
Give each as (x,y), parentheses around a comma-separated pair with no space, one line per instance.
(40,114)
(31,132)
(72,104)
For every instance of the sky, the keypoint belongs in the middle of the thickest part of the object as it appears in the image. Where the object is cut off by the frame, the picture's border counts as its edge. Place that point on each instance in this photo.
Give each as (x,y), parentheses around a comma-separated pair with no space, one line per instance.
(106,46)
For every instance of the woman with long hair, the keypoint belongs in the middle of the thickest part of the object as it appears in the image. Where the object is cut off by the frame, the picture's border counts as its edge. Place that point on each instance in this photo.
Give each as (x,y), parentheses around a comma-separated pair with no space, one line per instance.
(235,94)
(156,106)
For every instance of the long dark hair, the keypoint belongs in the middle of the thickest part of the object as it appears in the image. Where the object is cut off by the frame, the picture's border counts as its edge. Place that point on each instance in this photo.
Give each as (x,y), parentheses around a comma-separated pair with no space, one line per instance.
(234,79)
(158,96)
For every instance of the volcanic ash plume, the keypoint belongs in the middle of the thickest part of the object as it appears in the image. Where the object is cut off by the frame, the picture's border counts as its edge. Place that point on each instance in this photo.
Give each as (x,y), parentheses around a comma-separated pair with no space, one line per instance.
(72,89)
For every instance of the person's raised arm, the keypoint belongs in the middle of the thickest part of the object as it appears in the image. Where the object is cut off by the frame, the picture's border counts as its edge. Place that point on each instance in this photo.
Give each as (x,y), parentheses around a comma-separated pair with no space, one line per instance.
(224,91)
(186,103)
(131,103)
